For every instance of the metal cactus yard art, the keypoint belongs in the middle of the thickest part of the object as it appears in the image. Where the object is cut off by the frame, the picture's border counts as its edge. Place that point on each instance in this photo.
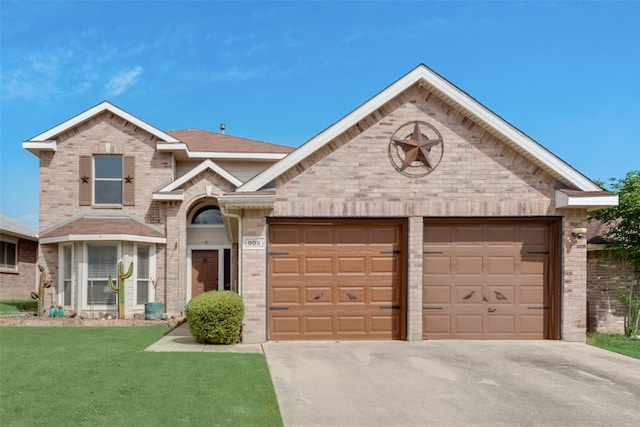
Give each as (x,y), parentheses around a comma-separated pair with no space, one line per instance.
(118,288)
(43,284)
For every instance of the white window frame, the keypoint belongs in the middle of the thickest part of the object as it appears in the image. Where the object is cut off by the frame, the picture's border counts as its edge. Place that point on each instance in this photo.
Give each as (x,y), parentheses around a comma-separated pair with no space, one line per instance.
(63,273)
(151,280)
(85,276)
(96,180)
(5,267)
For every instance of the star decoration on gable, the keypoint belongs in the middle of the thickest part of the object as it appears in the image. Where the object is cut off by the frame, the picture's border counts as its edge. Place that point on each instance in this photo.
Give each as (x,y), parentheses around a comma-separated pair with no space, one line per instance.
(84,179)
(415,149)
(128,179)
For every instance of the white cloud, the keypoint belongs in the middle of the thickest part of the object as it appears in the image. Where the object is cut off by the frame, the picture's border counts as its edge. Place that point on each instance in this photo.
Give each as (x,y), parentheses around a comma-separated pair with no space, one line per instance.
(122,81)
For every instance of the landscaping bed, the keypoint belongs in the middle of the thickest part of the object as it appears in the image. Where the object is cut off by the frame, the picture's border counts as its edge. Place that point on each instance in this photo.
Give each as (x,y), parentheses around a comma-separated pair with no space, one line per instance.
(23,319)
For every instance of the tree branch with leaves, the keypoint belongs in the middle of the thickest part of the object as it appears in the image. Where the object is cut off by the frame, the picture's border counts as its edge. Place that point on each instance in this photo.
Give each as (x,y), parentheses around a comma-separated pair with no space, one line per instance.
(623,229)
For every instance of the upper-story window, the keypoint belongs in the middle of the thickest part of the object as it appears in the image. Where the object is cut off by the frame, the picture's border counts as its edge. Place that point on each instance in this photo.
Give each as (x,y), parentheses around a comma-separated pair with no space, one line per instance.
(107,180)
(207,215)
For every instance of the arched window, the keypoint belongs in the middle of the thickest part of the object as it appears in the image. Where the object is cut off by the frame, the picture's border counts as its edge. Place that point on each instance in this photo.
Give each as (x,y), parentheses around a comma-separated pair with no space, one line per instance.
(207,215)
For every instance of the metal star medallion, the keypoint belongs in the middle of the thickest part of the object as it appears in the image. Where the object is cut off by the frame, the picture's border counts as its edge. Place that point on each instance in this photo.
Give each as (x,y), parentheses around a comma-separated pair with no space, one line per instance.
(128,179)
(418,153)
(85,179)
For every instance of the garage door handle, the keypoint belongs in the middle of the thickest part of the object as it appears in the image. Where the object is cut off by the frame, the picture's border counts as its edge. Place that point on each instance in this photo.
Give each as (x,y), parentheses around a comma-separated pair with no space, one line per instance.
(390,307)
(424,307)
(538,308)
(278,308)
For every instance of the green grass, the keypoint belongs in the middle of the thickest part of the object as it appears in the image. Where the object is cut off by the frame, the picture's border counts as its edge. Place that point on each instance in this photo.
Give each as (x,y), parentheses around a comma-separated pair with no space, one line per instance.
(103,377)
(17,306)
(617,343)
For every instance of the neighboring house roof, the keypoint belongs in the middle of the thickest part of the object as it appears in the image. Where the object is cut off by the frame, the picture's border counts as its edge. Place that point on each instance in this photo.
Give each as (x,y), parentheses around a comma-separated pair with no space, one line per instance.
(459,100)
(103,227)
(14,228)
(46,140)
(596,231)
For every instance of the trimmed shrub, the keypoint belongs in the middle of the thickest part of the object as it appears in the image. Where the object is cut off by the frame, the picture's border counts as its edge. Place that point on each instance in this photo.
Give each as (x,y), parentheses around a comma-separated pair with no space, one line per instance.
(215,317)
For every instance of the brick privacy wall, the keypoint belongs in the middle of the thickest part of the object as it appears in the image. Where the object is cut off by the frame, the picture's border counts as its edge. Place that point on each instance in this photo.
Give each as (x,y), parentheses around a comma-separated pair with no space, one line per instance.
(19,284)
(414,281)
(254,278)
(605,275)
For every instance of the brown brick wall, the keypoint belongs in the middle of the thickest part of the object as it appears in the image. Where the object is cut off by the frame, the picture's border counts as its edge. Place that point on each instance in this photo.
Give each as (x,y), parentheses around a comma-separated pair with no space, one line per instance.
(19,284)
(605,275)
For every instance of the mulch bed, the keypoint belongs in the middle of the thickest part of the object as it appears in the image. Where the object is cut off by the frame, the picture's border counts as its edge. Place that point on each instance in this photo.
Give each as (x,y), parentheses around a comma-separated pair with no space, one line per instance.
(29,320)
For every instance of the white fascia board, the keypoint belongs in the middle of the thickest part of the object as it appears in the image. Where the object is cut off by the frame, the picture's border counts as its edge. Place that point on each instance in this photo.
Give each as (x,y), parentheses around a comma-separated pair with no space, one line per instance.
(207,164)
(440,84)
(35,147)
(240,201)
(232,155)
(168,197)
(102,237)
(103,106)
(174,146)
(563,200)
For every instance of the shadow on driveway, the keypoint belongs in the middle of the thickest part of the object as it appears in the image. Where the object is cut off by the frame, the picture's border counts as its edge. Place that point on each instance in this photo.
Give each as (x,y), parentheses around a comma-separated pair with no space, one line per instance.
(453,383)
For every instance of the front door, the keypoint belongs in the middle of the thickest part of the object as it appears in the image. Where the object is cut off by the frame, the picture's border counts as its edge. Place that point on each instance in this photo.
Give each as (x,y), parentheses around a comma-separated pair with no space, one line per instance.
(204,272)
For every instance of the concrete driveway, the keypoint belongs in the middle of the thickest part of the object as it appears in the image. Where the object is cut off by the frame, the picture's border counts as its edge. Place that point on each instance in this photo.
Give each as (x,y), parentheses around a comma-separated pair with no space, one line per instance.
(453,383)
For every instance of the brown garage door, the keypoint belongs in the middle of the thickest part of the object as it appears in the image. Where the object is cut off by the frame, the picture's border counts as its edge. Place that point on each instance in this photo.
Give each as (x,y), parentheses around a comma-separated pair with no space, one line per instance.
(488,280)
(336,279)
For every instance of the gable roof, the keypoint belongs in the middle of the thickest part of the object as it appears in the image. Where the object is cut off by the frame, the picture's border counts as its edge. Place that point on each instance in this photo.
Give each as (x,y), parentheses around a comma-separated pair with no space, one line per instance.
(46,140)
(459,100)
(170,191)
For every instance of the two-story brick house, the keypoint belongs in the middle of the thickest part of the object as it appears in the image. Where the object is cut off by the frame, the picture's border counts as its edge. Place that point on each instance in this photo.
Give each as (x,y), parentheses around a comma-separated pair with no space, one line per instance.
(419,215)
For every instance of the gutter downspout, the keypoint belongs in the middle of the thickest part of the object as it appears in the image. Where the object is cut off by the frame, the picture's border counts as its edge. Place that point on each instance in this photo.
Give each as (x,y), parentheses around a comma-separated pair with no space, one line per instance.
(228,214)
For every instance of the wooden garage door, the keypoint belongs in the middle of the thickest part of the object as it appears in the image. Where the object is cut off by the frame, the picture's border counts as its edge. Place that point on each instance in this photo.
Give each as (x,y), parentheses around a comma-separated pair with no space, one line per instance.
(487,280)
(335,279)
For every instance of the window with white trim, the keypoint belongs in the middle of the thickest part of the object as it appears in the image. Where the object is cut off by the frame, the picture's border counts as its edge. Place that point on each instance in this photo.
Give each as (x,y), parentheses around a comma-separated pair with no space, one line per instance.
(102,262)
(145,257)
(207,215)
(107,179)
(9,255)
(66,276)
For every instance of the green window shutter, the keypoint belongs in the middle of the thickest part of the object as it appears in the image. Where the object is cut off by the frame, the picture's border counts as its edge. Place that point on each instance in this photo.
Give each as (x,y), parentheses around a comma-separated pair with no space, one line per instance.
(129,182)
(85,180)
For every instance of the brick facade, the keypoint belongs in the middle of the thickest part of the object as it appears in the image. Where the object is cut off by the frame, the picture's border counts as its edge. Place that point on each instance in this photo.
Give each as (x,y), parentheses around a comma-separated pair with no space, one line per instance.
(19,284)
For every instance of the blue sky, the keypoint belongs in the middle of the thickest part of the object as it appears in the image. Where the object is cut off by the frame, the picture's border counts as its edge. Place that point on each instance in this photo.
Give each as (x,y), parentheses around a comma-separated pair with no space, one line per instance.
(565,73)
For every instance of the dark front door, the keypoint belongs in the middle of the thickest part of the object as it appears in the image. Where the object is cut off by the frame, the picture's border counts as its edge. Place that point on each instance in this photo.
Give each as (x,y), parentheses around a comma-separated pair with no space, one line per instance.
(204,272)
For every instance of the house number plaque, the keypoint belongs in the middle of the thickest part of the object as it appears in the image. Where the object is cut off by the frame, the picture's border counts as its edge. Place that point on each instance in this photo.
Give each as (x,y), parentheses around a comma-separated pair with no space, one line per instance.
(257,242)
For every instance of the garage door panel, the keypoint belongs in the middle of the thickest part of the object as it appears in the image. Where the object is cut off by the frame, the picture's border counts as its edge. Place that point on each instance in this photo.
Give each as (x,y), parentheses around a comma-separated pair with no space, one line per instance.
(285,295)
(437,265)
(497,273)
(437,295)
(466,265)
(501,265)
(289,266)
(468,294)
(469,324)
(284,236)
(345,271)
(351,265)
(318,265)
(318,294)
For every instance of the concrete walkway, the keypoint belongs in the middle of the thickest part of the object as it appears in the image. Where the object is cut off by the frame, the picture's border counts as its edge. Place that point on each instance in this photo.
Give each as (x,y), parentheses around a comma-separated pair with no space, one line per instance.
(453,383)
(180,339)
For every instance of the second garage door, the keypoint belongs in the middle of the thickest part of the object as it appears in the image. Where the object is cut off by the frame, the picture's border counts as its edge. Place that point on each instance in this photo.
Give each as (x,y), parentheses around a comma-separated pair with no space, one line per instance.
(336,279)
(490,280)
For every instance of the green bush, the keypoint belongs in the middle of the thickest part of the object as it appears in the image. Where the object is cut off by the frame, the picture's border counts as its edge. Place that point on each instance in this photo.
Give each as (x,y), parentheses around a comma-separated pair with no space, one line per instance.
(215,317)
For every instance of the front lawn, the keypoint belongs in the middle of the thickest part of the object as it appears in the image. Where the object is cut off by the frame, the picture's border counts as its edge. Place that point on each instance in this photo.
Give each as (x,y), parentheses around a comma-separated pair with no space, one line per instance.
(617,343)
(103,377)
